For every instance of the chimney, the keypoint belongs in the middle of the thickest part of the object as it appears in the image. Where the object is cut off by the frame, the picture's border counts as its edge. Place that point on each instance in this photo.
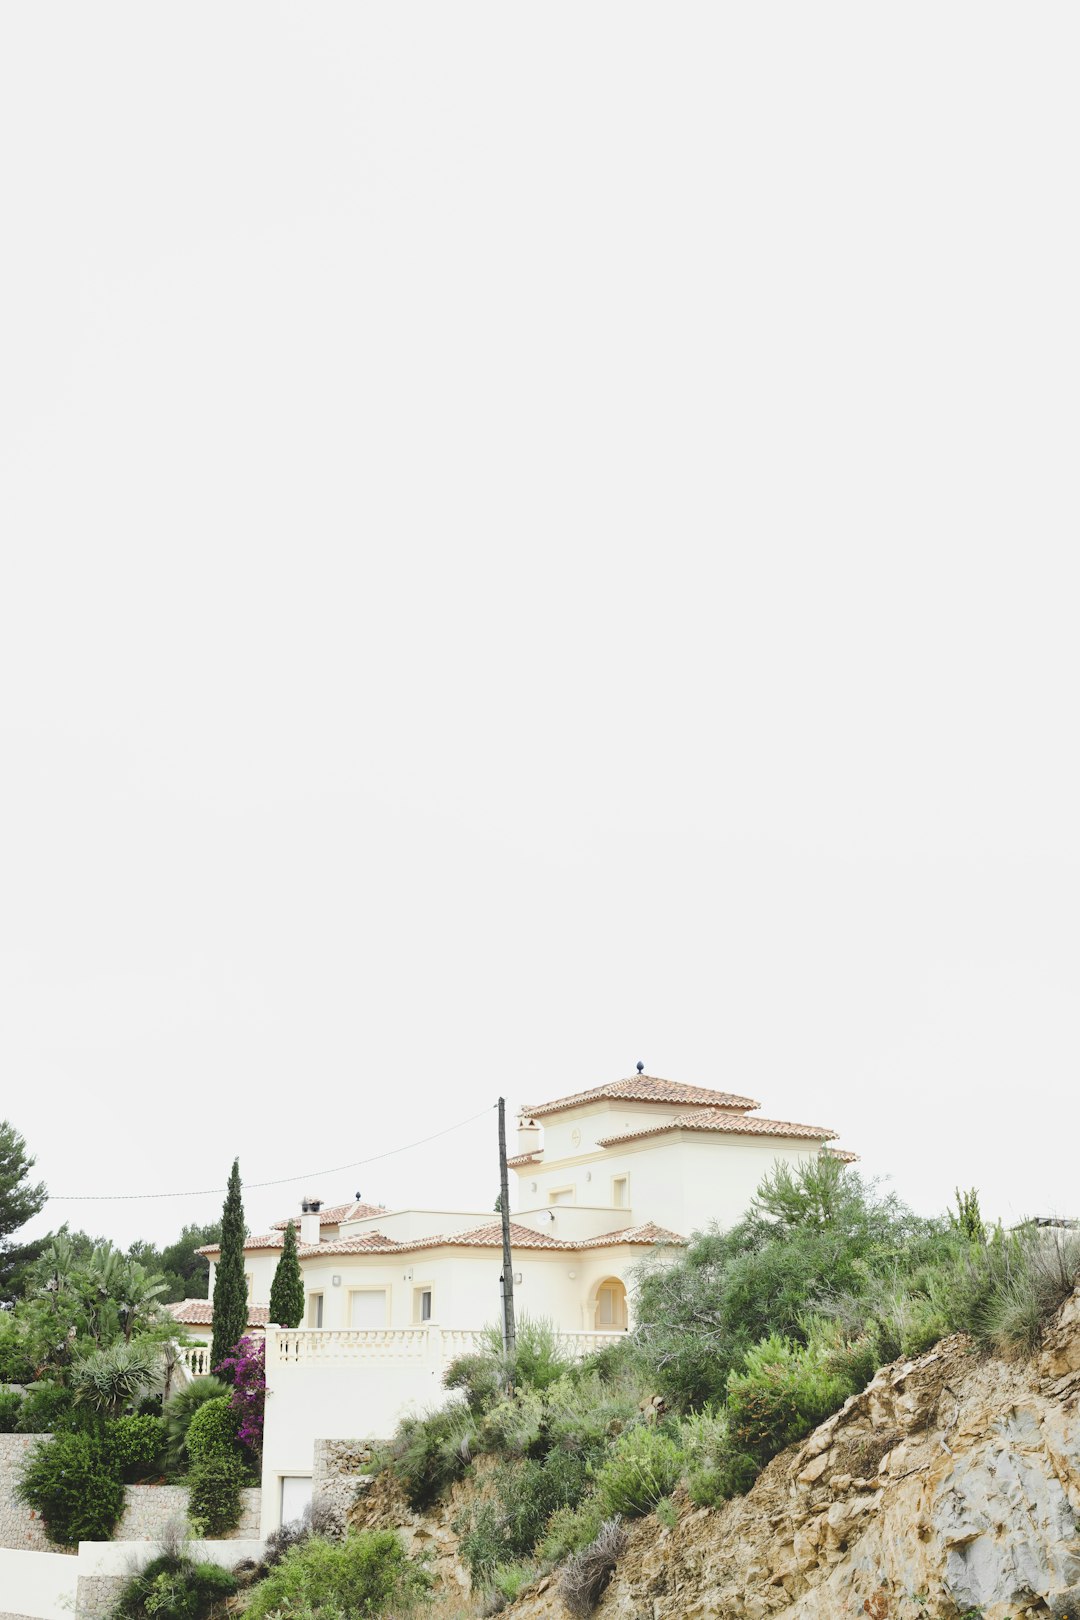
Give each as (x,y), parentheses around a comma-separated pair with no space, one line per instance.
(309,1220)
(528,1136)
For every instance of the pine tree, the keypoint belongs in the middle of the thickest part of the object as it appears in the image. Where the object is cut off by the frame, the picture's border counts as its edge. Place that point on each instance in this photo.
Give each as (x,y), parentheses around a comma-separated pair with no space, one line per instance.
(287,1289)
(230,1287)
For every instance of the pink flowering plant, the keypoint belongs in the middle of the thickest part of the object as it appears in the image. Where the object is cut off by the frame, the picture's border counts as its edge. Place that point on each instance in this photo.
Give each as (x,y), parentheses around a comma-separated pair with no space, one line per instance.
(245,1369)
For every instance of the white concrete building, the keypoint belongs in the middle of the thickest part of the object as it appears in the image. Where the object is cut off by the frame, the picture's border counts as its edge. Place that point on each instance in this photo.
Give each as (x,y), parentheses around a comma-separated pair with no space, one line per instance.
(605,1177)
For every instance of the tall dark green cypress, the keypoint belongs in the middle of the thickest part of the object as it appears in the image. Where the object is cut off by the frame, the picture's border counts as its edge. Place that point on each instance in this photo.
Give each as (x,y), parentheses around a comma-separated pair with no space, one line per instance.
(287,1289)
(230,1289)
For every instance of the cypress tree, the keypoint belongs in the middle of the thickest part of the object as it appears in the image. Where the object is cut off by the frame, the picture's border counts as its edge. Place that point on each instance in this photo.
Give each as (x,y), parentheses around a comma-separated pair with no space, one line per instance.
(230,1289)
(287,1289)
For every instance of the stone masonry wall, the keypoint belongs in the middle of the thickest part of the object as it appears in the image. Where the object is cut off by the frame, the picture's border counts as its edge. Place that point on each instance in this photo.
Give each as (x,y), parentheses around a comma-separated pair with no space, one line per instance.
(339,1469)
(149,1512)
(20,1526)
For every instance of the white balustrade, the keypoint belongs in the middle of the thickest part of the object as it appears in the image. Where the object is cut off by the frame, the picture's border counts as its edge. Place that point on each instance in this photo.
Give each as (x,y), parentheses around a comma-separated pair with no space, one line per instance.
(195,1358)
(343,1346)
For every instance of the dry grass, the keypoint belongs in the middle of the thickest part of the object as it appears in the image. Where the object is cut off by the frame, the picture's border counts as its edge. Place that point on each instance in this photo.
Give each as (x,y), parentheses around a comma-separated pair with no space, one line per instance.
(586,1576)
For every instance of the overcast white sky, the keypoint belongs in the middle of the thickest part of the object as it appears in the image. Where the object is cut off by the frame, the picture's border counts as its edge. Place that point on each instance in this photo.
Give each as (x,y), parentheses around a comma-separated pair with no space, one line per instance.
(536,537)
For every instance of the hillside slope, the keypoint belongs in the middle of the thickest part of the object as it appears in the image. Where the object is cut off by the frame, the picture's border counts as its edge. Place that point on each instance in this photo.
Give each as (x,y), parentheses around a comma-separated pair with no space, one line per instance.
(950,1484)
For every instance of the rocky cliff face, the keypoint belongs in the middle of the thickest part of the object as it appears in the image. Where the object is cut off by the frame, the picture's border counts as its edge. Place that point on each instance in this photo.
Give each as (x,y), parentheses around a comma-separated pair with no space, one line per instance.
(951,1485)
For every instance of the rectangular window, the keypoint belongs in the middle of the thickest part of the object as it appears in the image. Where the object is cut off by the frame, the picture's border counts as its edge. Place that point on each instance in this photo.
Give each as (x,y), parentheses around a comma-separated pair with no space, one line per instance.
(561,1195)
(367,1308)
(421,1304)
(249,1283)
(620,1192)
(314,1310)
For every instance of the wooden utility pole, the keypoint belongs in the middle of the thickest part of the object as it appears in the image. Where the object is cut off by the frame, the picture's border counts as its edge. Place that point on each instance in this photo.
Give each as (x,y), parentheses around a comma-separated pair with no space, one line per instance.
(507,1278)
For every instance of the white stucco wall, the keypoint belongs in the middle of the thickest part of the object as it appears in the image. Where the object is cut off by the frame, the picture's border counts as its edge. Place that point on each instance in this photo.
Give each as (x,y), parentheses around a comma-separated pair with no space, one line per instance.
(41,1585)
(683,1181)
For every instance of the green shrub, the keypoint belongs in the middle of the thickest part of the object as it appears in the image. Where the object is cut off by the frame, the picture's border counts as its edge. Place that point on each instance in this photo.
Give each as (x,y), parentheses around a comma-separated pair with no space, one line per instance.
(179,1411)
(347,1580)
(585,1413)
(507,1525)
(173,1587)
(509,1579)
(212,1431)
(49,1409)
(73,1482)
(732,1475)
(570,1530)
(427,1454)
(11,1403)
(136,1445)
(478,1377)
(538,1360)
(513,1425)
(784,1391)
(214,1486)
(644,1465)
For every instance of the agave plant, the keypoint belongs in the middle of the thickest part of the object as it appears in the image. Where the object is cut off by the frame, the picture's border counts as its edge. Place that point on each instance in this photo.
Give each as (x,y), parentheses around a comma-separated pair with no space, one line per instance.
(119,1377)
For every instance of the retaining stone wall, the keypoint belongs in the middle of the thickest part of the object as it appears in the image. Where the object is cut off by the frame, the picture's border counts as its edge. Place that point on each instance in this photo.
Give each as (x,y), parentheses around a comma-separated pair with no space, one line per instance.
(339,1471)
(149,1512)
(20,1526)
(96,1596)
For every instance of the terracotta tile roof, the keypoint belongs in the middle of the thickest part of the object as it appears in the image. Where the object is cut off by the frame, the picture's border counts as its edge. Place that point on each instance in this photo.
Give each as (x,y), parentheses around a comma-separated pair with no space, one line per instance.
(200,1313)
(649,1233)
(646,1088)
(356,1244)
(842,1155)
(335,1214)
(520,1159)
(708,1119)
(266,1240)
(524,1237)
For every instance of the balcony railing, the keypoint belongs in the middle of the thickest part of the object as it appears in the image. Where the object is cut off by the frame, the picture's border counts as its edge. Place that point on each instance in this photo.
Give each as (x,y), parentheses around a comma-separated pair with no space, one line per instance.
(431,1344)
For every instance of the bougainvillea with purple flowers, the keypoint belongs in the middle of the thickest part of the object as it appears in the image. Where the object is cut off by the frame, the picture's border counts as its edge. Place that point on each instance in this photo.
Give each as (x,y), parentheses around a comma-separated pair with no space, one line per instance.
(245,1370)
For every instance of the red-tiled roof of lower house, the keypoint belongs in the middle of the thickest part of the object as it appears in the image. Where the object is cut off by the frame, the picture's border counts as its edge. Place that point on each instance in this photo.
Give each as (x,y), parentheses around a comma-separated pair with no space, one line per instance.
(335,1214)
(200,1313)
(709,1119)
(524,1237)
(648,1233)
(488,1236)
(520,1159)
(356,1244)
(645,1088)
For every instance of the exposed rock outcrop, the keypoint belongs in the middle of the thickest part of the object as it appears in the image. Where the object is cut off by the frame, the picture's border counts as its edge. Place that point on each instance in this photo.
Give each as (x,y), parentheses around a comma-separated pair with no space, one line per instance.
(951,1484)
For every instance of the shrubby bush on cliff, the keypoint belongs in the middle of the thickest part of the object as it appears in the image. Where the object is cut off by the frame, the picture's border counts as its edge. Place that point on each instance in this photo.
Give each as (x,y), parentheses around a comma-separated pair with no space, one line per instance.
(743,1346)
(366,1574)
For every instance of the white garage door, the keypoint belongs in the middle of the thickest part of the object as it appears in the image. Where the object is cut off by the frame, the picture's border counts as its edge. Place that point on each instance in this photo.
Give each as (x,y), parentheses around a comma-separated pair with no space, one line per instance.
(295,1496)
(367,1308)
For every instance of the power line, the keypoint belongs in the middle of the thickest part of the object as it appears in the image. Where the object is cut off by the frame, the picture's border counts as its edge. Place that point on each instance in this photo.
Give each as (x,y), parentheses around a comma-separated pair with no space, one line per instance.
(282,1181)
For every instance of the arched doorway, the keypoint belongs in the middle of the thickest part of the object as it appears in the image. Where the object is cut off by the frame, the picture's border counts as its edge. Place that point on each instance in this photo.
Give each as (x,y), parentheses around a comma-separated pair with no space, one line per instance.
(610,1315)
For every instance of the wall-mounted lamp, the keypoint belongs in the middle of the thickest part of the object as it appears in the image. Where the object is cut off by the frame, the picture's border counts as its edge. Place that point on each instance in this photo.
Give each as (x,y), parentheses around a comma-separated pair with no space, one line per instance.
(571,1275)
(336,1282)
(532,1186)
(588,1175)
(517,1279)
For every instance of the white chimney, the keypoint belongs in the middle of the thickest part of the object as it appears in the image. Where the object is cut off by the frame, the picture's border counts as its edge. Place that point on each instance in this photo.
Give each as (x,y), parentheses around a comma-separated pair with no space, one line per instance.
(309,1220)
(528,1136)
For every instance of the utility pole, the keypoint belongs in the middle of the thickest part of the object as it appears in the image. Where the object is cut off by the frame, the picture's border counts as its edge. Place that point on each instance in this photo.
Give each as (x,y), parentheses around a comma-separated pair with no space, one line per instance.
(507,1278)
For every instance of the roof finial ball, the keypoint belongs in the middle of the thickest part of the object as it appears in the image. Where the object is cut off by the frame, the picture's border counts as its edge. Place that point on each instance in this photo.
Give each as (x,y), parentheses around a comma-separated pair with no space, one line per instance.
(641,1068)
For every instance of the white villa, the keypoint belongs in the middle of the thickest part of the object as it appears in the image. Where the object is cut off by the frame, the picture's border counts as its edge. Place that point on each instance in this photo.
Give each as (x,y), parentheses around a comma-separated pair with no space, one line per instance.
(605,1176)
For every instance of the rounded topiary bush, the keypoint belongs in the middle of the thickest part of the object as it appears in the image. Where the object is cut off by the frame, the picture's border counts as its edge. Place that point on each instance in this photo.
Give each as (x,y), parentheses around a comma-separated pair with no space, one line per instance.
(212,1431)
(179,1410)
(214,1487)
(136,1444)
(72,1480)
